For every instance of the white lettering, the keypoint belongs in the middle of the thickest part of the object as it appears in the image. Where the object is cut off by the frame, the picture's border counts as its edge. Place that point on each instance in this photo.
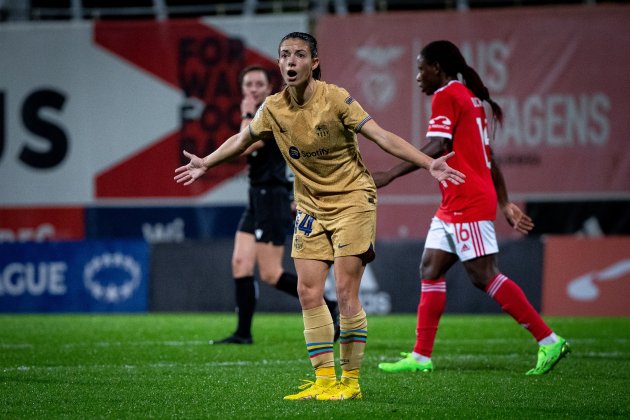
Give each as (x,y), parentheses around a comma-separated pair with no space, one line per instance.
(577,120)
(489,59)
(34,279)
(555,120)
(600,129)
(57,278)
(511,128)
(11,271)
(170,232)
(6,235)
(532,124)
(40,233)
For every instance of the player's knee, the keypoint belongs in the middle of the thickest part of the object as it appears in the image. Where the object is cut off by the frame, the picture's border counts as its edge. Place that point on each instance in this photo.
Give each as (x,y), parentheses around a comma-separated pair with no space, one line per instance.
(428,272)
(481,271)
(480,279)
(269,277)
(241,267)
(269,270)
(481,285)
(309,296)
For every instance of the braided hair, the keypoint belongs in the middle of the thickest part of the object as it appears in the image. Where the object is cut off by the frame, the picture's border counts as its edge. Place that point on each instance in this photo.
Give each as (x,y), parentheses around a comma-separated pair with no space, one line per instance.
(452,63)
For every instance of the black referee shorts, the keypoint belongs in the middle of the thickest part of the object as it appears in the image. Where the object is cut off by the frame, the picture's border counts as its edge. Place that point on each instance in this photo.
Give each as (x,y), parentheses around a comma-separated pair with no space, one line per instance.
(268,215)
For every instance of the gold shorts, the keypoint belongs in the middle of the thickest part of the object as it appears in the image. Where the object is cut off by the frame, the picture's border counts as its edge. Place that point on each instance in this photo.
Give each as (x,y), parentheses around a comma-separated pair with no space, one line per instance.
(351,234)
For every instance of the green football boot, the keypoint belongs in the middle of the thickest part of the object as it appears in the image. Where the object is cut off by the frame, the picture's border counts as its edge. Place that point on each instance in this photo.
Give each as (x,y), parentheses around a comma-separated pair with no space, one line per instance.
(549,356)
(407,364)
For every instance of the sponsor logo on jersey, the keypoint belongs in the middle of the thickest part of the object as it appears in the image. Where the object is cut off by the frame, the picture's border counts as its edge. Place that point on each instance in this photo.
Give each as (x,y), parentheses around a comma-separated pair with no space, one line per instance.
(440,122)
(295,153)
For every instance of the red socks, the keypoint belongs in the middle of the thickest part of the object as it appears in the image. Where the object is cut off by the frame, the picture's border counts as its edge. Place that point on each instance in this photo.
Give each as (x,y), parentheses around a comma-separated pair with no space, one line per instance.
(503,290)
(514,302)
(430,309)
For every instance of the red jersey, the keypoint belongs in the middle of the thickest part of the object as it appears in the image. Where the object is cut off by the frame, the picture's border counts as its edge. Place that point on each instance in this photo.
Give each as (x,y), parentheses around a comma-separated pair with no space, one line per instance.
(460,116)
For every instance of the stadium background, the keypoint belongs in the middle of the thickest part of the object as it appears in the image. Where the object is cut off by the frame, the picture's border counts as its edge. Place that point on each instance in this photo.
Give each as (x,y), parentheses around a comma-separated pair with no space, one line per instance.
(97,100)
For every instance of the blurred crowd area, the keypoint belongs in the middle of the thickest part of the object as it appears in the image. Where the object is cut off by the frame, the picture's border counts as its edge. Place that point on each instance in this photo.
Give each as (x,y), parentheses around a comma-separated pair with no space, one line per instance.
(34,10)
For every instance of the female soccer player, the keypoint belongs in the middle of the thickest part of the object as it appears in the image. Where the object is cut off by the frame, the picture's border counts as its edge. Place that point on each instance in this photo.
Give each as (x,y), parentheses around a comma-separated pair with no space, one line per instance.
(315,125)
(463,227)
(263,228)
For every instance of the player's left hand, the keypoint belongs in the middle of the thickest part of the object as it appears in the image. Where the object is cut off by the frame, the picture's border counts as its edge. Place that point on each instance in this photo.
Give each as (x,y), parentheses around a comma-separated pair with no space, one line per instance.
(521,222)
(248,104)
(189,173)
(442,172)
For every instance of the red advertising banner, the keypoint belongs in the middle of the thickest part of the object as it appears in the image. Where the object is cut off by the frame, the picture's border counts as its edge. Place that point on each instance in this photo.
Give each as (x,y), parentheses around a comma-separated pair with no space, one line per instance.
(22,224)
(557,72)
(586,276)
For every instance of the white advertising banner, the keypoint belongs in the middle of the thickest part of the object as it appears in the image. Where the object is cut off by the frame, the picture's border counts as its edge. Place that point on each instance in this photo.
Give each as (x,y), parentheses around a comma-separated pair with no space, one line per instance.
(95,112)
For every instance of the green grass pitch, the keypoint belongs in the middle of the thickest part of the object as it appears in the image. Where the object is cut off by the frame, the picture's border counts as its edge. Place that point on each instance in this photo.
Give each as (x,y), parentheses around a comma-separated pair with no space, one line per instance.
(161,366)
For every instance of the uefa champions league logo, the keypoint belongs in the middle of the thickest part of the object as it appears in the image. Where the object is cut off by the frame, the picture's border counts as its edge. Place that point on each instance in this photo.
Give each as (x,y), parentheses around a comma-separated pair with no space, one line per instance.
(112,278)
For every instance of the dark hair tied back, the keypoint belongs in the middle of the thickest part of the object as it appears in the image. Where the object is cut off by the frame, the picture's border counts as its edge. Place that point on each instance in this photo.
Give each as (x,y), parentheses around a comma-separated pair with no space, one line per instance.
(452,62)
(312,45)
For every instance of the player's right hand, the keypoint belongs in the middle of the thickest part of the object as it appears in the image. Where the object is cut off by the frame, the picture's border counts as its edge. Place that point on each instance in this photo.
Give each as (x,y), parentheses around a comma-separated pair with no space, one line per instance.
(187,174)
(521,222)
(442,172)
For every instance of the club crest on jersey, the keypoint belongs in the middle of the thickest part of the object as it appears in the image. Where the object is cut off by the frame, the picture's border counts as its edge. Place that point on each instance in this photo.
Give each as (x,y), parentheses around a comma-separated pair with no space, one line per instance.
(321,130)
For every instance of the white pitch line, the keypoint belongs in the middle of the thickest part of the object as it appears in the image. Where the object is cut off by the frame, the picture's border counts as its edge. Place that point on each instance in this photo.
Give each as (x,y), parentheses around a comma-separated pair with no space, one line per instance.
(278,362)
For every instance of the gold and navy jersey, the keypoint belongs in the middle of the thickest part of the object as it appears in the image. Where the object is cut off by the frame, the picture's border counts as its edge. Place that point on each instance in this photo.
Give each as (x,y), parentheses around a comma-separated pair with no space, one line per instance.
(319,142)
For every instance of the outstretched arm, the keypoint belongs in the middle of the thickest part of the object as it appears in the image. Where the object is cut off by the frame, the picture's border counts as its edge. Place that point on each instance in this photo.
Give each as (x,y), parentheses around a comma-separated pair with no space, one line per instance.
(435,147)
(231,148)
(400,148)
(521,222)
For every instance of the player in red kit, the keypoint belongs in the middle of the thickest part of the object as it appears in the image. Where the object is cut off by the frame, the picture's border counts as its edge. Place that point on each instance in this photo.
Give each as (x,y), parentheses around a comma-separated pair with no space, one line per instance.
(463,226)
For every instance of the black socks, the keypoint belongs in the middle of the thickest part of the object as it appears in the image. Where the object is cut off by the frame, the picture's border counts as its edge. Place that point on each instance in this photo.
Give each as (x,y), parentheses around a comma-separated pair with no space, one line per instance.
(246,297)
